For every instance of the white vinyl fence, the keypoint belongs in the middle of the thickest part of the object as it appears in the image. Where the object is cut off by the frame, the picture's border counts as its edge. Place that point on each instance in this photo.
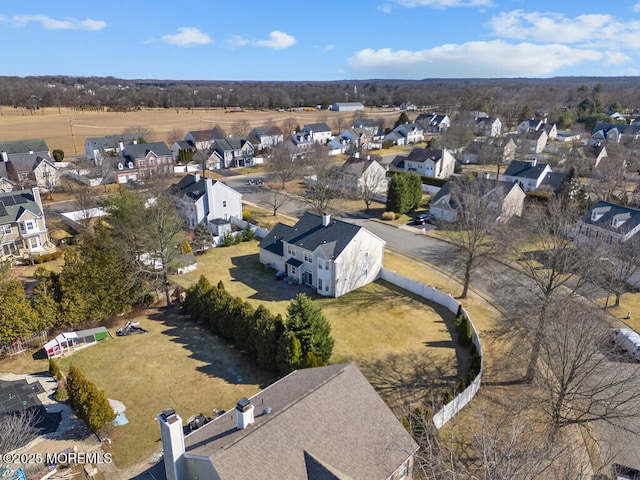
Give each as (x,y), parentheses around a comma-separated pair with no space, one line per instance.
(432,294)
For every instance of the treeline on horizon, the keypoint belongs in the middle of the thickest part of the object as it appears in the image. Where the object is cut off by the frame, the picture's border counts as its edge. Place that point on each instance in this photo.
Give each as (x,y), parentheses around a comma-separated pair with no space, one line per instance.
(497,97)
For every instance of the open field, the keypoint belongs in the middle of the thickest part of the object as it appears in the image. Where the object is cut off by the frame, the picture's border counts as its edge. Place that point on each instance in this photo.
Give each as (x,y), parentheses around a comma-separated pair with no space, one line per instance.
(67,129)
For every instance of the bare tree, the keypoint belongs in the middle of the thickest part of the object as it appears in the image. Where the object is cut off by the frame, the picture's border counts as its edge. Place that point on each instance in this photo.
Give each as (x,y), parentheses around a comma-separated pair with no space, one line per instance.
(554,263)
(289,125)
(608,179)
(175,135)
(474,223)
(143,134)
(324,187)
(582,382)
(16,430)
(240,128)
(274,196)
(281,167)
(371,184)
(84,199)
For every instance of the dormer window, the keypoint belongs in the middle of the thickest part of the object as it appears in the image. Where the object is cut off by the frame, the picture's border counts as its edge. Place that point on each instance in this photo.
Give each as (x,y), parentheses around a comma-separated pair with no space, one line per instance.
(120,166)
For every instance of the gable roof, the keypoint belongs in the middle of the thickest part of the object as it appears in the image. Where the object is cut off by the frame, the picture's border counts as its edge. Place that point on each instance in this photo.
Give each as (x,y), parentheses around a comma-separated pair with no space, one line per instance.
(24,146)
(14,204)
(418,155)
(554,180)
(309,234)
(357,166)
(189,186)
(295,440)
(231,143)
(25,162)
(316,127)
(480,185)
(140,150)
(110,141)
(267,130)
(205,135)
(607,212)
(518,168)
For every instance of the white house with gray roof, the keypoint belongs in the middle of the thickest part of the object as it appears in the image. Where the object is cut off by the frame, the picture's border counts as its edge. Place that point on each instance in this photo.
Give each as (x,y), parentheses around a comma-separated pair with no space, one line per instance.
(99,148)
(23,227)
(529,175)
(332,256)
(318,132)
(203,200)
(317,423)
(431,162)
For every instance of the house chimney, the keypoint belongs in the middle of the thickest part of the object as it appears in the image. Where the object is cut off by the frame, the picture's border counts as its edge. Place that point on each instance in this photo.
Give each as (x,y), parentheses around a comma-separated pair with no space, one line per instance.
(135,141)
(244,413)
(326,219)
(534,162)
(172,443)
(356,155)
(487,175)
(36,197)
(196,177)
(121,145)
(5,156)
(30,152)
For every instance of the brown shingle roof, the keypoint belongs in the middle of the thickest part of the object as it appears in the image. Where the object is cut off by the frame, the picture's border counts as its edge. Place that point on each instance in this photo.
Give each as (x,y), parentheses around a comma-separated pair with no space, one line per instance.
(328,418)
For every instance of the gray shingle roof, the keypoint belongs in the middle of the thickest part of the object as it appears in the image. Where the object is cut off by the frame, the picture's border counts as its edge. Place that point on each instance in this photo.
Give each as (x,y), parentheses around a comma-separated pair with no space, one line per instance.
(206,135)
(317,127)
(609,211)
(24,146)
(111,141)
(309,234)
(190,187)
(13,205)
(518,168)
(326,421)
(140,150)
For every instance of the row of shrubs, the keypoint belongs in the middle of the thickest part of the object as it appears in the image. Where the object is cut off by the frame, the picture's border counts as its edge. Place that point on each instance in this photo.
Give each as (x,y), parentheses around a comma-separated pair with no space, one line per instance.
(265,337)
(87,400)
(48,257)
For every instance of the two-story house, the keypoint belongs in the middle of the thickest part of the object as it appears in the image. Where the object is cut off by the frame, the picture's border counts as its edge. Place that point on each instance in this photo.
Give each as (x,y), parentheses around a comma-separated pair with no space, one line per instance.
(143,160)
(317,132)
(28,169)
(488,126)
(317,423)
(434,122)
(332,256)
(358,175)
(431,162)
(504,199)
(23,227)
(613,133)
(530,175)
(538,125)
(490,150)
(204,200)
(412,132)
(99,148)
(607,224)
(266,137)
(233,152)
(203,139)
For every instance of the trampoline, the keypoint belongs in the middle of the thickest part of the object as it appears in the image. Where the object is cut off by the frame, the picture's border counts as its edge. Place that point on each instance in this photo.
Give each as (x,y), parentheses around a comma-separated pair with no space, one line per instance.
(19,395)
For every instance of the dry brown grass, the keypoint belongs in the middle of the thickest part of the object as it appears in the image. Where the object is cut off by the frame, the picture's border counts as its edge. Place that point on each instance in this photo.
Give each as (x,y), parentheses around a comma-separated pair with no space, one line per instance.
(67,129)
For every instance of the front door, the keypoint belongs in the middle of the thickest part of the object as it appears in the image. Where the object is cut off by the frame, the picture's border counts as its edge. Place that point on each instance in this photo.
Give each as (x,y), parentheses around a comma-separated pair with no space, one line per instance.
(308,278)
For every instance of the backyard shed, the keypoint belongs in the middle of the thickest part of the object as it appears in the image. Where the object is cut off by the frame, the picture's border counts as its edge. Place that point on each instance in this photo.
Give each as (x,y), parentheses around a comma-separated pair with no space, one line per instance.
(70,341)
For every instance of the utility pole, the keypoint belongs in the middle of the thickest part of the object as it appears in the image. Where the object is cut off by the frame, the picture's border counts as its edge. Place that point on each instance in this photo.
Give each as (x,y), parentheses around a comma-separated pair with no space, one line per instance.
(75,147)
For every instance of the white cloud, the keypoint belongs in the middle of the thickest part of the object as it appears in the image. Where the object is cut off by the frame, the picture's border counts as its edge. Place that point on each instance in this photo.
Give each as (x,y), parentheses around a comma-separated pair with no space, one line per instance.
(277,40)
(443,3)
(386,8)
(474,59)
(636,7)
(187,36)
(328,48)
(49,23)
(236,41)
(589,29)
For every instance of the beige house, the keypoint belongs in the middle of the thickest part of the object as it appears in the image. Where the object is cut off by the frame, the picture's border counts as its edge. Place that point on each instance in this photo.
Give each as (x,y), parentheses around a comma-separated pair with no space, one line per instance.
(358,175)
(503,198)
(431,162)
(317,423)
(23,228)
(331,256)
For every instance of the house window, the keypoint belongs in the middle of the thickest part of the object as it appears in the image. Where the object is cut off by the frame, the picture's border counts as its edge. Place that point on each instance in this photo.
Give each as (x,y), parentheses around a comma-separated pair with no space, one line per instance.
(29,225)
(9,249)
(319,284)
(224,203)
(293,270)
(403,471)
(141,163)
(291,250)
(5,229)
(307,257)
(34,242)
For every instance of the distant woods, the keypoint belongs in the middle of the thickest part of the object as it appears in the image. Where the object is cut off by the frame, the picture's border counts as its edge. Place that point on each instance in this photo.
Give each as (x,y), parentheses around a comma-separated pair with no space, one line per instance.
(562,100)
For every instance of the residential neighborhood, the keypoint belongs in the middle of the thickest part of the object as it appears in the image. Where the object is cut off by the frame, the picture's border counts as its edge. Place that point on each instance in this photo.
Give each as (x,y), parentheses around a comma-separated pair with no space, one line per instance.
(216,243)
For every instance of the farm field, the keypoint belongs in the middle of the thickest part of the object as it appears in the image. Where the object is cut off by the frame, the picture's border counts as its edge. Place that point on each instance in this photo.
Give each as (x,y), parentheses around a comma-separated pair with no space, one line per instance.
(67,129)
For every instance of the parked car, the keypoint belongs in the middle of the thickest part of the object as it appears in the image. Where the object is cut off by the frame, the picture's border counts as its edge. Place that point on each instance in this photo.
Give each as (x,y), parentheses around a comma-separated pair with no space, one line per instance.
(627,339)
(421,219)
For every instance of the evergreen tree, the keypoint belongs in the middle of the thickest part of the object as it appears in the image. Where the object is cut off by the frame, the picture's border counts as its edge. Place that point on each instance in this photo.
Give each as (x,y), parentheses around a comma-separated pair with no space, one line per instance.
(89,402)
(288,353)
(195,300)
(17,318)
(45,299)
(404,192)
(402,119)
(306,320)
(202,238)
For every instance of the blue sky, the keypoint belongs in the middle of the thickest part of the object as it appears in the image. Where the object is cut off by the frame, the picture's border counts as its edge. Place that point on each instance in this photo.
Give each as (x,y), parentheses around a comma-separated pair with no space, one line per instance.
(330,40)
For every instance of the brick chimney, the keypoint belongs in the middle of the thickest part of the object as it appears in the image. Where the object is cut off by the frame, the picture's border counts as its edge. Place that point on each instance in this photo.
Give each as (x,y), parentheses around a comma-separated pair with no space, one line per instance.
(244,413)
(172,444)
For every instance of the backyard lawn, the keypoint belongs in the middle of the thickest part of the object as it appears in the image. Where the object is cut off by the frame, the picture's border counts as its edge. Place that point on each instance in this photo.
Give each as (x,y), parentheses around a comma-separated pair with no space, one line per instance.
(400,342)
